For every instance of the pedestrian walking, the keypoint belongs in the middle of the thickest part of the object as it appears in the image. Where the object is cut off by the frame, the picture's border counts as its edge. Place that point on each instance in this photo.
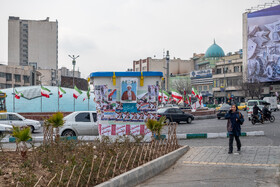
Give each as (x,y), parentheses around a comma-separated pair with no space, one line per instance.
(235,120)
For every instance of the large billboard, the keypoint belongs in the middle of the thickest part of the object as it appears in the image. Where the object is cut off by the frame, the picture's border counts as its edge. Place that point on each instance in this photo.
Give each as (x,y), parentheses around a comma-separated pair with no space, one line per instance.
(263,45)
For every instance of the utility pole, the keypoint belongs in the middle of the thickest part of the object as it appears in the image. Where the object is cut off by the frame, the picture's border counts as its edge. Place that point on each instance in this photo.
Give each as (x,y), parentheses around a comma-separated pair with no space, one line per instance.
(73,63)
(167,70)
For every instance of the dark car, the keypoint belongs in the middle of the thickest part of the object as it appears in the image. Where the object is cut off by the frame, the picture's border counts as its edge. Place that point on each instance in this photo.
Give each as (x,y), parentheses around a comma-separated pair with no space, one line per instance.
(223,110)
(175,115)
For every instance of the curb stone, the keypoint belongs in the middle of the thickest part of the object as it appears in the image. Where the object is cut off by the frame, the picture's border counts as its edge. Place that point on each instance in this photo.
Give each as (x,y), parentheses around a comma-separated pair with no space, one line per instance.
(163,136)
(146,171)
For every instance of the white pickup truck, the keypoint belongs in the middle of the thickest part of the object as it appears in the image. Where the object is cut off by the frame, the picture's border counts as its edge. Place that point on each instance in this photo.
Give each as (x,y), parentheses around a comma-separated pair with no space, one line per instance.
(273,103)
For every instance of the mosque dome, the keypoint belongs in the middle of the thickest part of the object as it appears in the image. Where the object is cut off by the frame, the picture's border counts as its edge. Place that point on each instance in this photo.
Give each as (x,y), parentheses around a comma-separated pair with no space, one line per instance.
(214,51)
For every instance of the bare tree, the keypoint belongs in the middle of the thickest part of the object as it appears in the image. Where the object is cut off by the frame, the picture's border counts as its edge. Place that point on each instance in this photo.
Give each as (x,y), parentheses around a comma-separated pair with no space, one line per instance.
(181,84)
(252,89)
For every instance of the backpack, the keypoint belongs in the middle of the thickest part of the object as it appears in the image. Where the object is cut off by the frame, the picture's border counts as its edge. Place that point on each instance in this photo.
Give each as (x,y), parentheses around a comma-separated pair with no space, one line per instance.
(240,115)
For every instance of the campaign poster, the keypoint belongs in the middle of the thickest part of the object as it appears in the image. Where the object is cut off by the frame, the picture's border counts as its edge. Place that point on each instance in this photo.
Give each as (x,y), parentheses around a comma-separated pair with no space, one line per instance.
(151,93)
(263,41)
(128,90)
(112,95)
(109,114)
(101,93)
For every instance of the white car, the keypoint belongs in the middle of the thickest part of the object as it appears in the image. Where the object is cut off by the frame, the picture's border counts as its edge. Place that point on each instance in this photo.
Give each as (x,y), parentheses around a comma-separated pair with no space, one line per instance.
(5,129)
(14,119)
(81,123)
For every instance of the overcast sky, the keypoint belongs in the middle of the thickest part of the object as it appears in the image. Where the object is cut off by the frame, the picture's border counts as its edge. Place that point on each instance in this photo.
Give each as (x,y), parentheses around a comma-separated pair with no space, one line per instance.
(109,34)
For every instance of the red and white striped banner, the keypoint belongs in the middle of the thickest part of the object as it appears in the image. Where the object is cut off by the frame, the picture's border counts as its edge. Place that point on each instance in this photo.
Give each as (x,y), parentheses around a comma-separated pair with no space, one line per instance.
(123,129)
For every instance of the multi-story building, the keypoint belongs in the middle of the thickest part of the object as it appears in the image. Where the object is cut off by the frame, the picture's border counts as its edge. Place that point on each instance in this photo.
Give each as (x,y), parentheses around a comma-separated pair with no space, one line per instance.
(201,77)
(63,71)
(16,76)
(176,66)
(228,79)
(33,42)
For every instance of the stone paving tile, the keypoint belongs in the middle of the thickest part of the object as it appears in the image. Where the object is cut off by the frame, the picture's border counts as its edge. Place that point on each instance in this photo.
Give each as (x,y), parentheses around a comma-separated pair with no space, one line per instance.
(248,155)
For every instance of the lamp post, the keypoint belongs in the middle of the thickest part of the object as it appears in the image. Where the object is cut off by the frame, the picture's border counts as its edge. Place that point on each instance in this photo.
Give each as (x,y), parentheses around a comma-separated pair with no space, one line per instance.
(73,63)
(167,70)
(225,96)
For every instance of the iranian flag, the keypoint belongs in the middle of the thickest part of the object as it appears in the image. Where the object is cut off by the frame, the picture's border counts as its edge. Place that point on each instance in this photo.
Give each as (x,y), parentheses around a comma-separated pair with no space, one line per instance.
(190,98)
(18,94)
(164,94)
(200,98)
(195,93)
(176,95)
(61,92)
(45,92)
(77,92)
(88,94)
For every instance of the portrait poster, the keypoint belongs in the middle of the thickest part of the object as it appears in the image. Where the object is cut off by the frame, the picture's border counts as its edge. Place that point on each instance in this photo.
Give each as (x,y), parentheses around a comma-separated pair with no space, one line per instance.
(152,93)
(101,93)
(128,90)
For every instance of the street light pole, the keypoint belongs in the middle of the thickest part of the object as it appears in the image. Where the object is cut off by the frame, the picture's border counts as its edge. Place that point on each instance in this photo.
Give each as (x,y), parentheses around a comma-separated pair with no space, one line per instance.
(167,70)
(73,63)
(225,96)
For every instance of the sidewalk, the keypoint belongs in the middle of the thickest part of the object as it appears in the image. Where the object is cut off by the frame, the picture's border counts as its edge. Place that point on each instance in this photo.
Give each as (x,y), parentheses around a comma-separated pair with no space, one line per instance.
(213,166)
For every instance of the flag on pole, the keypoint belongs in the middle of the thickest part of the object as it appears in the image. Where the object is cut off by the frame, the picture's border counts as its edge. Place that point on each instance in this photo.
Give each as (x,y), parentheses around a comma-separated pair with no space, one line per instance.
(18,94)
(200,98)
(45,92)
(77,92)
(195,93)
(87,95)
(190,98)
(61,92)
(176,95)
(164,95)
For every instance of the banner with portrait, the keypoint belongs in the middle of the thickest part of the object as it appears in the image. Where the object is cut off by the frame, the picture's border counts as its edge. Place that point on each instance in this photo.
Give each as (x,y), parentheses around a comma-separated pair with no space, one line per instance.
(129,90)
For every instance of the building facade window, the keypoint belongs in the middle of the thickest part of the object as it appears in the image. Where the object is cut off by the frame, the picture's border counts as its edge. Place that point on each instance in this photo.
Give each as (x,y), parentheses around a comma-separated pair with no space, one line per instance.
(8,77)
(210,87)
(26,79)
(8,86)
(200,88)
(226,70)
(17,78)
(241,68)
(219,71)
(2,86)
(236,69)
(204,87)
(17,85)
(2,74)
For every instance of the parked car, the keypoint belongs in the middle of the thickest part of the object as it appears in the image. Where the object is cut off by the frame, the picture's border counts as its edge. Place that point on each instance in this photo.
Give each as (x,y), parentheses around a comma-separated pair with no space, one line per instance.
(223,110)
(15,119)
(174,115)
(5,129)
(242,106)
(81,123)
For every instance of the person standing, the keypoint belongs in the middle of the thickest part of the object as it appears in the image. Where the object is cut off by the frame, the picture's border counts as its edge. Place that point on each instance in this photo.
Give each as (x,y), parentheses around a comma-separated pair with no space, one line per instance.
(235,120)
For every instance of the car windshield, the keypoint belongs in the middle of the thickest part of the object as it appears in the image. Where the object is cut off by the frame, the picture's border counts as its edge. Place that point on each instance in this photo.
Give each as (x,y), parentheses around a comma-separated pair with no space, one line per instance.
(162,110)
(225,107)
(252,103)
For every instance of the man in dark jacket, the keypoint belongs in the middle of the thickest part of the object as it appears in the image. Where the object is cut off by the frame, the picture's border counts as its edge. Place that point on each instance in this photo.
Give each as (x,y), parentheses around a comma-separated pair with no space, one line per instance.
(235,120)
(256,110)
(266,112)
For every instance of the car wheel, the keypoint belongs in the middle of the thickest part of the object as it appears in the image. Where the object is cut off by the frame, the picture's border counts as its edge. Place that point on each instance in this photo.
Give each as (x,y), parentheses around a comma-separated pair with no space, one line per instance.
(219,117)
(189,120)
(68,133)
(167,120)
(31,128)
(272,119)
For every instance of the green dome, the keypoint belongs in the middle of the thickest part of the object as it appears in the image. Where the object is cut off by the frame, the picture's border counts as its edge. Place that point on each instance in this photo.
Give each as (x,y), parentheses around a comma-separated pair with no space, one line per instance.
(214,51)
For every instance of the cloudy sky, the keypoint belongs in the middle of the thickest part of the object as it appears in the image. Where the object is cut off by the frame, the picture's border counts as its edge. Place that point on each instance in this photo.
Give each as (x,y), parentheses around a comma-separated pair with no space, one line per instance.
(109,34)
